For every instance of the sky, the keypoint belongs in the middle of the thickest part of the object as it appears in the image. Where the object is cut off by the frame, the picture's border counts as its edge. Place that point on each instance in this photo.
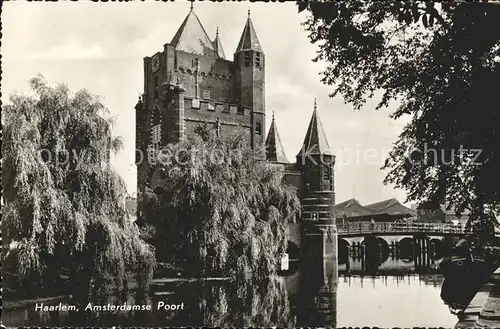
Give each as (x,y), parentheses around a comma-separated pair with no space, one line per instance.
(101,46)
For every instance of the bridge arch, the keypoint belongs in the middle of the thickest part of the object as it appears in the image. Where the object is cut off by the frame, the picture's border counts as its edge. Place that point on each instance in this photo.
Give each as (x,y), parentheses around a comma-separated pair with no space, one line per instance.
(404,237)
(406,248)
(439,247)
(377,248)
(343,251)
(295,234)
(293,250)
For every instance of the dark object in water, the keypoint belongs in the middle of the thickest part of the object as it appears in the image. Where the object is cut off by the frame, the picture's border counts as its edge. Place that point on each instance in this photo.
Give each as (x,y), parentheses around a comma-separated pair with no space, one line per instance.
(463,264)
(165,270)
(465,272)
(457,294)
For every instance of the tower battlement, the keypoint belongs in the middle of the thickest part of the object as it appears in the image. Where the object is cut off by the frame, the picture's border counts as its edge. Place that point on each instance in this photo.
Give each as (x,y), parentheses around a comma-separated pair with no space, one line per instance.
(215,89)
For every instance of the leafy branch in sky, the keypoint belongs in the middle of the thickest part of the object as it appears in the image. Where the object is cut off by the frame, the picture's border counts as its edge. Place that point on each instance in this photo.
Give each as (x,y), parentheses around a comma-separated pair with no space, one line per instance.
(440,63)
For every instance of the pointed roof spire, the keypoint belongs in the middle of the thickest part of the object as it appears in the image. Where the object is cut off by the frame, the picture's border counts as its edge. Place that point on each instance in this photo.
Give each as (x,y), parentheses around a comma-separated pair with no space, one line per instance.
(191,36)
(274,148)
(218,45)
(315,142)
(248,40)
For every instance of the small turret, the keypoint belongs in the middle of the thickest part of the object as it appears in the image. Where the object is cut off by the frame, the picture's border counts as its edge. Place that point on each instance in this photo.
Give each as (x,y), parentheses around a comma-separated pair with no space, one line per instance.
(249,40)
(315,142)
(315,161)
(249,63)
(138,106)
(218,45)
(315,158)
(274,148)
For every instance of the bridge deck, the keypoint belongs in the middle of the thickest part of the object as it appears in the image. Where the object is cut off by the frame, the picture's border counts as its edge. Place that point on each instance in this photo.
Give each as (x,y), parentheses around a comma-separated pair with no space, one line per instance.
(364,228)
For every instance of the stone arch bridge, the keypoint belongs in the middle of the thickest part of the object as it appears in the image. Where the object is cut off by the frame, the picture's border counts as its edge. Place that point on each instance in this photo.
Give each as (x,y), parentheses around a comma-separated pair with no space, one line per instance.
(424,243)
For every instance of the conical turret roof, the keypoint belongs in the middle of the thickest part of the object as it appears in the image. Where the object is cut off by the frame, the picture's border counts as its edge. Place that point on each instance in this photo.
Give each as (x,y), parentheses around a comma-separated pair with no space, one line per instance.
(249,40)
(274,148)
(315,142)
(192,37)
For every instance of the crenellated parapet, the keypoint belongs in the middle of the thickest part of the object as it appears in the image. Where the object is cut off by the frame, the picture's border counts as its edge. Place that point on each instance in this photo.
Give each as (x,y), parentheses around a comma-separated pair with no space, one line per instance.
(190,71)
(190,82)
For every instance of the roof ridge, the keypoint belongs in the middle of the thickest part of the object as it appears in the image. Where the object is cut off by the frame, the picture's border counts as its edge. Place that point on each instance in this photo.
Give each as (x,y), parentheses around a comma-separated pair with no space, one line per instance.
(191,36)
(315,141)
(253,41)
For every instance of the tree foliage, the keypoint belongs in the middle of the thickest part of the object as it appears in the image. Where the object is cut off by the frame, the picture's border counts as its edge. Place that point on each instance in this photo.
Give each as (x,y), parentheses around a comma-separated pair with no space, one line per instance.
(64,213)
(220,210)
(441,63)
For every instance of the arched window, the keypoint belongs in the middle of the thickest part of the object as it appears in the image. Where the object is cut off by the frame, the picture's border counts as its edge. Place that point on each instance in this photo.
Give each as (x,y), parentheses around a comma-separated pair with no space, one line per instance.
(326,173)
(257,60)
(248,58)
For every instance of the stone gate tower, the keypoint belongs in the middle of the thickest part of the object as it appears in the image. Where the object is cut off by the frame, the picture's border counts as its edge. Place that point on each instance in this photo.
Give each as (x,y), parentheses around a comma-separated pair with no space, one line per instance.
(190,82)
(316,161)
(312,174)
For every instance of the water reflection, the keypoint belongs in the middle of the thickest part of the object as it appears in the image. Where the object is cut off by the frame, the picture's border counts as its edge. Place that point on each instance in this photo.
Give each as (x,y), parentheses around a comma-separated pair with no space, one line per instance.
(247,305)
(218,303)
(374,255)
(310,294)
(407,299)
(392,301)
(313,294)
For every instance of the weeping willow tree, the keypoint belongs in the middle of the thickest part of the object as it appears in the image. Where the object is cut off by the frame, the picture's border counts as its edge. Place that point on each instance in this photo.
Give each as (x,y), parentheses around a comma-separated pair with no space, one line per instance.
(221,211)
(65,227)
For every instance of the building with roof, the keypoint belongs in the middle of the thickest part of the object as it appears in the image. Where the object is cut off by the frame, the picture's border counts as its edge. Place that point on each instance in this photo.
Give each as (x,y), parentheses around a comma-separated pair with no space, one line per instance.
(431,212)
(382,211)
(191,82)
(391,207)
(351,208)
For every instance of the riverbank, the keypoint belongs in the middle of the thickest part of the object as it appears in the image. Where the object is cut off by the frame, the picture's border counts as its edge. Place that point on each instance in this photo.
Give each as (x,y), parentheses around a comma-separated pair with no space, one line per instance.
(484,309)
(132,285)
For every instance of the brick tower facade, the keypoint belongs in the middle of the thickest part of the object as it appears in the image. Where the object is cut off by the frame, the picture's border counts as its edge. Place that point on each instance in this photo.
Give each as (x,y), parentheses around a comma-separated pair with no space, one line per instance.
(190,83)
(313,176)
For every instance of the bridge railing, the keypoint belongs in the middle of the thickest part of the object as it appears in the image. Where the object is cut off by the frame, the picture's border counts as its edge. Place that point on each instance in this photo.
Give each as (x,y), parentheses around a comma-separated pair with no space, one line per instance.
(368,227)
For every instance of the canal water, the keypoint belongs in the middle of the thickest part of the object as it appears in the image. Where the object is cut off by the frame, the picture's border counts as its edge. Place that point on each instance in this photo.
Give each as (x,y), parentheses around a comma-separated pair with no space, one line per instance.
(308,295)
(392,301)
